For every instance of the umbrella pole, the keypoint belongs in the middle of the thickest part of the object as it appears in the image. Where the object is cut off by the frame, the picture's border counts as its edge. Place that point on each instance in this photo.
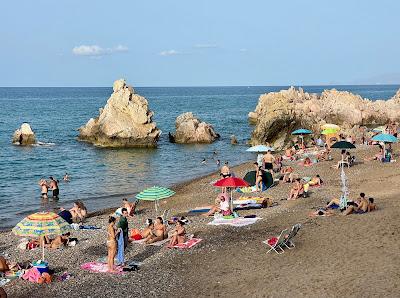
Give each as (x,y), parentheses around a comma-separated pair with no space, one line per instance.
(43,251)
(155,206)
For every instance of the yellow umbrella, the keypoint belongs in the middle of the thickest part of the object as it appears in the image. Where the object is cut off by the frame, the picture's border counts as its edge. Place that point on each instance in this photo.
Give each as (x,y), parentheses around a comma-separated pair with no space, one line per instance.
(330,126)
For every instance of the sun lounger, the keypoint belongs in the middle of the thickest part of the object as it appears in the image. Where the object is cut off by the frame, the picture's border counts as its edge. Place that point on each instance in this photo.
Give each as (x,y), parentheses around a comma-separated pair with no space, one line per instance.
(276,244)
(288,241)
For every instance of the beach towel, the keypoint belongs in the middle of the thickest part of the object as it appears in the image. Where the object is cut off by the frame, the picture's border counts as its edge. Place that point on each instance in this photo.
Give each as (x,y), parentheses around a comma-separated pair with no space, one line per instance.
(4,281)
(236,222)
(32,275)
(100,268)
(188,244)
(120,253)
(89,228)
(200,209)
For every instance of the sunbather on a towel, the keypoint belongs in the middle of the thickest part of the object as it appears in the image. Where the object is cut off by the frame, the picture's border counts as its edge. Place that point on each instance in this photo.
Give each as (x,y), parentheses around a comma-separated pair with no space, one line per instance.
(158,233)
(178,234)
(297,190)
(322,212)
(315,181)
(221,206)
(58,241)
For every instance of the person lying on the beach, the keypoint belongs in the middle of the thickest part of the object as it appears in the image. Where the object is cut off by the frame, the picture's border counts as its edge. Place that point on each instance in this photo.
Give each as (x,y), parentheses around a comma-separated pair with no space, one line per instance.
(307,162)
(58,241)
(315,181)
(333,202)
(322,212)
(178,234)
(78,211)
(297,190)
(158,233)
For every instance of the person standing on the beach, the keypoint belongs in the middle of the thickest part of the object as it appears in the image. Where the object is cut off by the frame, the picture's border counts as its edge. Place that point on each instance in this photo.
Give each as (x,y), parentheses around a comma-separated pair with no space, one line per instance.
(111,243)
(54,187)
(43,188)
(123,225)
(268,160)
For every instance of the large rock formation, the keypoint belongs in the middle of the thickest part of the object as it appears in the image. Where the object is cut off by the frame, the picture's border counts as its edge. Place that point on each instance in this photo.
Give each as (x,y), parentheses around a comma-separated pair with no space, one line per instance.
(24,136)
(190,129)
(279,113)
(125,121)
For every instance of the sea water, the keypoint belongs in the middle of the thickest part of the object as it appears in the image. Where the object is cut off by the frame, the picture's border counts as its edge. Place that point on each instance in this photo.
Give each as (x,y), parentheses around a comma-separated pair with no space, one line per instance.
(101,177)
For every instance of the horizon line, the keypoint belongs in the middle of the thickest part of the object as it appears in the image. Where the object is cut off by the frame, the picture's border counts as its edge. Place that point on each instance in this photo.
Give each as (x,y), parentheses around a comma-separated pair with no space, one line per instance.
(210,86)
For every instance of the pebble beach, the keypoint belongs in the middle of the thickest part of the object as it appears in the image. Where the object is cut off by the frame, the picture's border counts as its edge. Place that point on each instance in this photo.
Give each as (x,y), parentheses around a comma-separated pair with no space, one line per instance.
(353,256)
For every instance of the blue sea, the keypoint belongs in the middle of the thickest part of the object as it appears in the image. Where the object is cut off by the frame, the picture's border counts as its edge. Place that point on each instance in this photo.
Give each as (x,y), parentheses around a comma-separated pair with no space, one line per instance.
(101,177)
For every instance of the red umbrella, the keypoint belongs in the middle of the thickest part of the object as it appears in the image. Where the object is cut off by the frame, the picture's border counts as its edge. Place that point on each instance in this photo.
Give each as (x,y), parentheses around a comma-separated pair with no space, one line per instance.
(231,182)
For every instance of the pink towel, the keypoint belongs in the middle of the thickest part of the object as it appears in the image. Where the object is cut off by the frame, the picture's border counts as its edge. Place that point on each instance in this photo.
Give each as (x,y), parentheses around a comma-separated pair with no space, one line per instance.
(101,268)
(32,275)
(188,244)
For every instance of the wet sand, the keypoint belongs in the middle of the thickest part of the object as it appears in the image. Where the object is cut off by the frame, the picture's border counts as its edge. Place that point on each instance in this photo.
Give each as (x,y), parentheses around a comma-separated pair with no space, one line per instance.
(353,256)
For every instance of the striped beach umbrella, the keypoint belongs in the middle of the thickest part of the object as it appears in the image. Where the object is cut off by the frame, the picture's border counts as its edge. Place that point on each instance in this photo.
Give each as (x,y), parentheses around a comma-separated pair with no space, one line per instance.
(155,194)
(41,224)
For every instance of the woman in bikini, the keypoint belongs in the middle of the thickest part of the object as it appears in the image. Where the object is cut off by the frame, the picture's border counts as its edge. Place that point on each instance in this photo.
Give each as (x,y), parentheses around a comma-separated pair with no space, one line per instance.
(178,235)
(111,243)
(158,233)
(78,211)
(296,190)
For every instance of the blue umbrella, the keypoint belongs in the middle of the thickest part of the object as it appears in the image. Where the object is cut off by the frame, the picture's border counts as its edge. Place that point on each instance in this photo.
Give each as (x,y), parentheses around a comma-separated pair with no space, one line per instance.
(384,137)
(260,148)
(301,131)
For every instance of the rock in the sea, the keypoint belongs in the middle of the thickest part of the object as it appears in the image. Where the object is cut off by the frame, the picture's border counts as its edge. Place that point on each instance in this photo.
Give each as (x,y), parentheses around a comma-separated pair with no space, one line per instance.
(190,129)
(24,135)
(234,140)
(279,113)
(125,121)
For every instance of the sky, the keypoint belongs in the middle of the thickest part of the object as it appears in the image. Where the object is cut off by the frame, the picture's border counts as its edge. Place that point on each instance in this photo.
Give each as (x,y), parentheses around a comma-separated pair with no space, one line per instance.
(199,43)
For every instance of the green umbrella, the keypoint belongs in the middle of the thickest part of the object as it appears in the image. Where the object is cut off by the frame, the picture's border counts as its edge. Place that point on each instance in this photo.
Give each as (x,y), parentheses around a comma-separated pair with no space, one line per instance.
(155,194)
(329,131)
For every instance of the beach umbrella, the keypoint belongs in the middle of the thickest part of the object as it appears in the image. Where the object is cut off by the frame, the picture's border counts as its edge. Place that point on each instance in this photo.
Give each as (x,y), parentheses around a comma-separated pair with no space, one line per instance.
(232,182)
(343,178)
(343,145)
(329,131)
(260,149)
(330,126)
(155,194)
(41,224)
(301,132)
(385,138)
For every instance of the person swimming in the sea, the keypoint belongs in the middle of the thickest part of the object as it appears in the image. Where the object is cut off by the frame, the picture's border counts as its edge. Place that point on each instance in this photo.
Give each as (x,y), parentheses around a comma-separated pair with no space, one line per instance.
(66,178)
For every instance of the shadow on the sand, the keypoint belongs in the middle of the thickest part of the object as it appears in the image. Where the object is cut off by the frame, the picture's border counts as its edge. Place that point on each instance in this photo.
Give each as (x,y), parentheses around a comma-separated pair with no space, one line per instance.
(147,253)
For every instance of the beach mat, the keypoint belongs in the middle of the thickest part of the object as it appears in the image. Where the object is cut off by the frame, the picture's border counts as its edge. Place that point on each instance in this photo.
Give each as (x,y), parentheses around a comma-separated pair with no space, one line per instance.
(203,209)
(100,268)
(89,228)
(236,222)
(188,244)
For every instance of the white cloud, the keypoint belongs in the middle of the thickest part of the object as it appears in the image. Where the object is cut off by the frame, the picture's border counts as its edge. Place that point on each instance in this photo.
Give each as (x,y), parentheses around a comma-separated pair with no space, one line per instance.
(169,53)
(205,46)
(97,51)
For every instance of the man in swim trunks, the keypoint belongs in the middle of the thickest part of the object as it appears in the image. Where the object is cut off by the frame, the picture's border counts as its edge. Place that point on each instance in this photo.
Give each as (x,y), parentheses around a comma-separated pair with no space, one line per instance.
(54,187)
(43,188)
(123,225)
(225,171)
(268,160)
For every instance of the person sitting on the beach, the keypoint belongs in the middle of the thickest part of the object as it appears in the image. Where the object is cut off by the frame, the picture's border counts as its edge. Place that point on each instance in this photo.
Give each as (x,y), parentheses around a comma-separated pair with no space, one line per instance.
(219,206)
(66,215)
(3,265)
(289,153)
(178,234)
(130,207)
(288,174)
(307,162)
(334,203)
(137,235)
(371,205)
(278,163)
(358,206)
(297,190)
(379,156)
(78,211)
(158,233)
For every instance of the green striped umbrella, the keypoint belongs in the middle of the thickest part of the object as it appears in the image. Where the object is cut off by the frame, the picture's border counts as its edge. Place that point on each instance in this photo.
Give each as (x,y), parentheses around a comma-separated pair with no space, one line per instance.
(155,194)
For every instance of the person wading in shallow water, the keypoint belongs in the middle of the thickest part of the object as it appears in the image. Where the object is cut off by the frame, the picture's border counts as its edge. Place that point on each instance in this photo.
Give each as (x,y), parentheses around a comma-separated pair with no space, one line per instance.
(43,188)
(54,187)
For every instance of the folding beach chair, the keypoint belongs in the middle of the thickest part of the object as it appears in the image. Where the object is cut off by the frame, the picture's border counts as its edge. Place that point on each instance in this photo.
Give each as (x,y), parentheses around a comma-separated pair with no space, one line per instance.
(276,243)
(288,241)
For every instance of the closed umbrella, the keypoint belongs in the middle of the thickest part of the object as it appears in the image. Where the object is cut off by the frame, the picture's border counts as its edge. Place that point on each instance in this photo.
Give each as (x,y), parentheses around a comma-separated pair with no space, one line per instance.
(41,224)
(232,182)
(155,194)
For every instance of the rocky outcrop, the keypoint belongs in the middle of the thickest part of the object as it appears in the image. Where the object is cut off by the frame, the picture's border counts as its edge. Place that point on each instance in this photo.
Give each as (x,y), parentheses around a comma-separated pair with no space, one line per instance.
(279,113)
(24,135)
(190,129)
(125,121)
